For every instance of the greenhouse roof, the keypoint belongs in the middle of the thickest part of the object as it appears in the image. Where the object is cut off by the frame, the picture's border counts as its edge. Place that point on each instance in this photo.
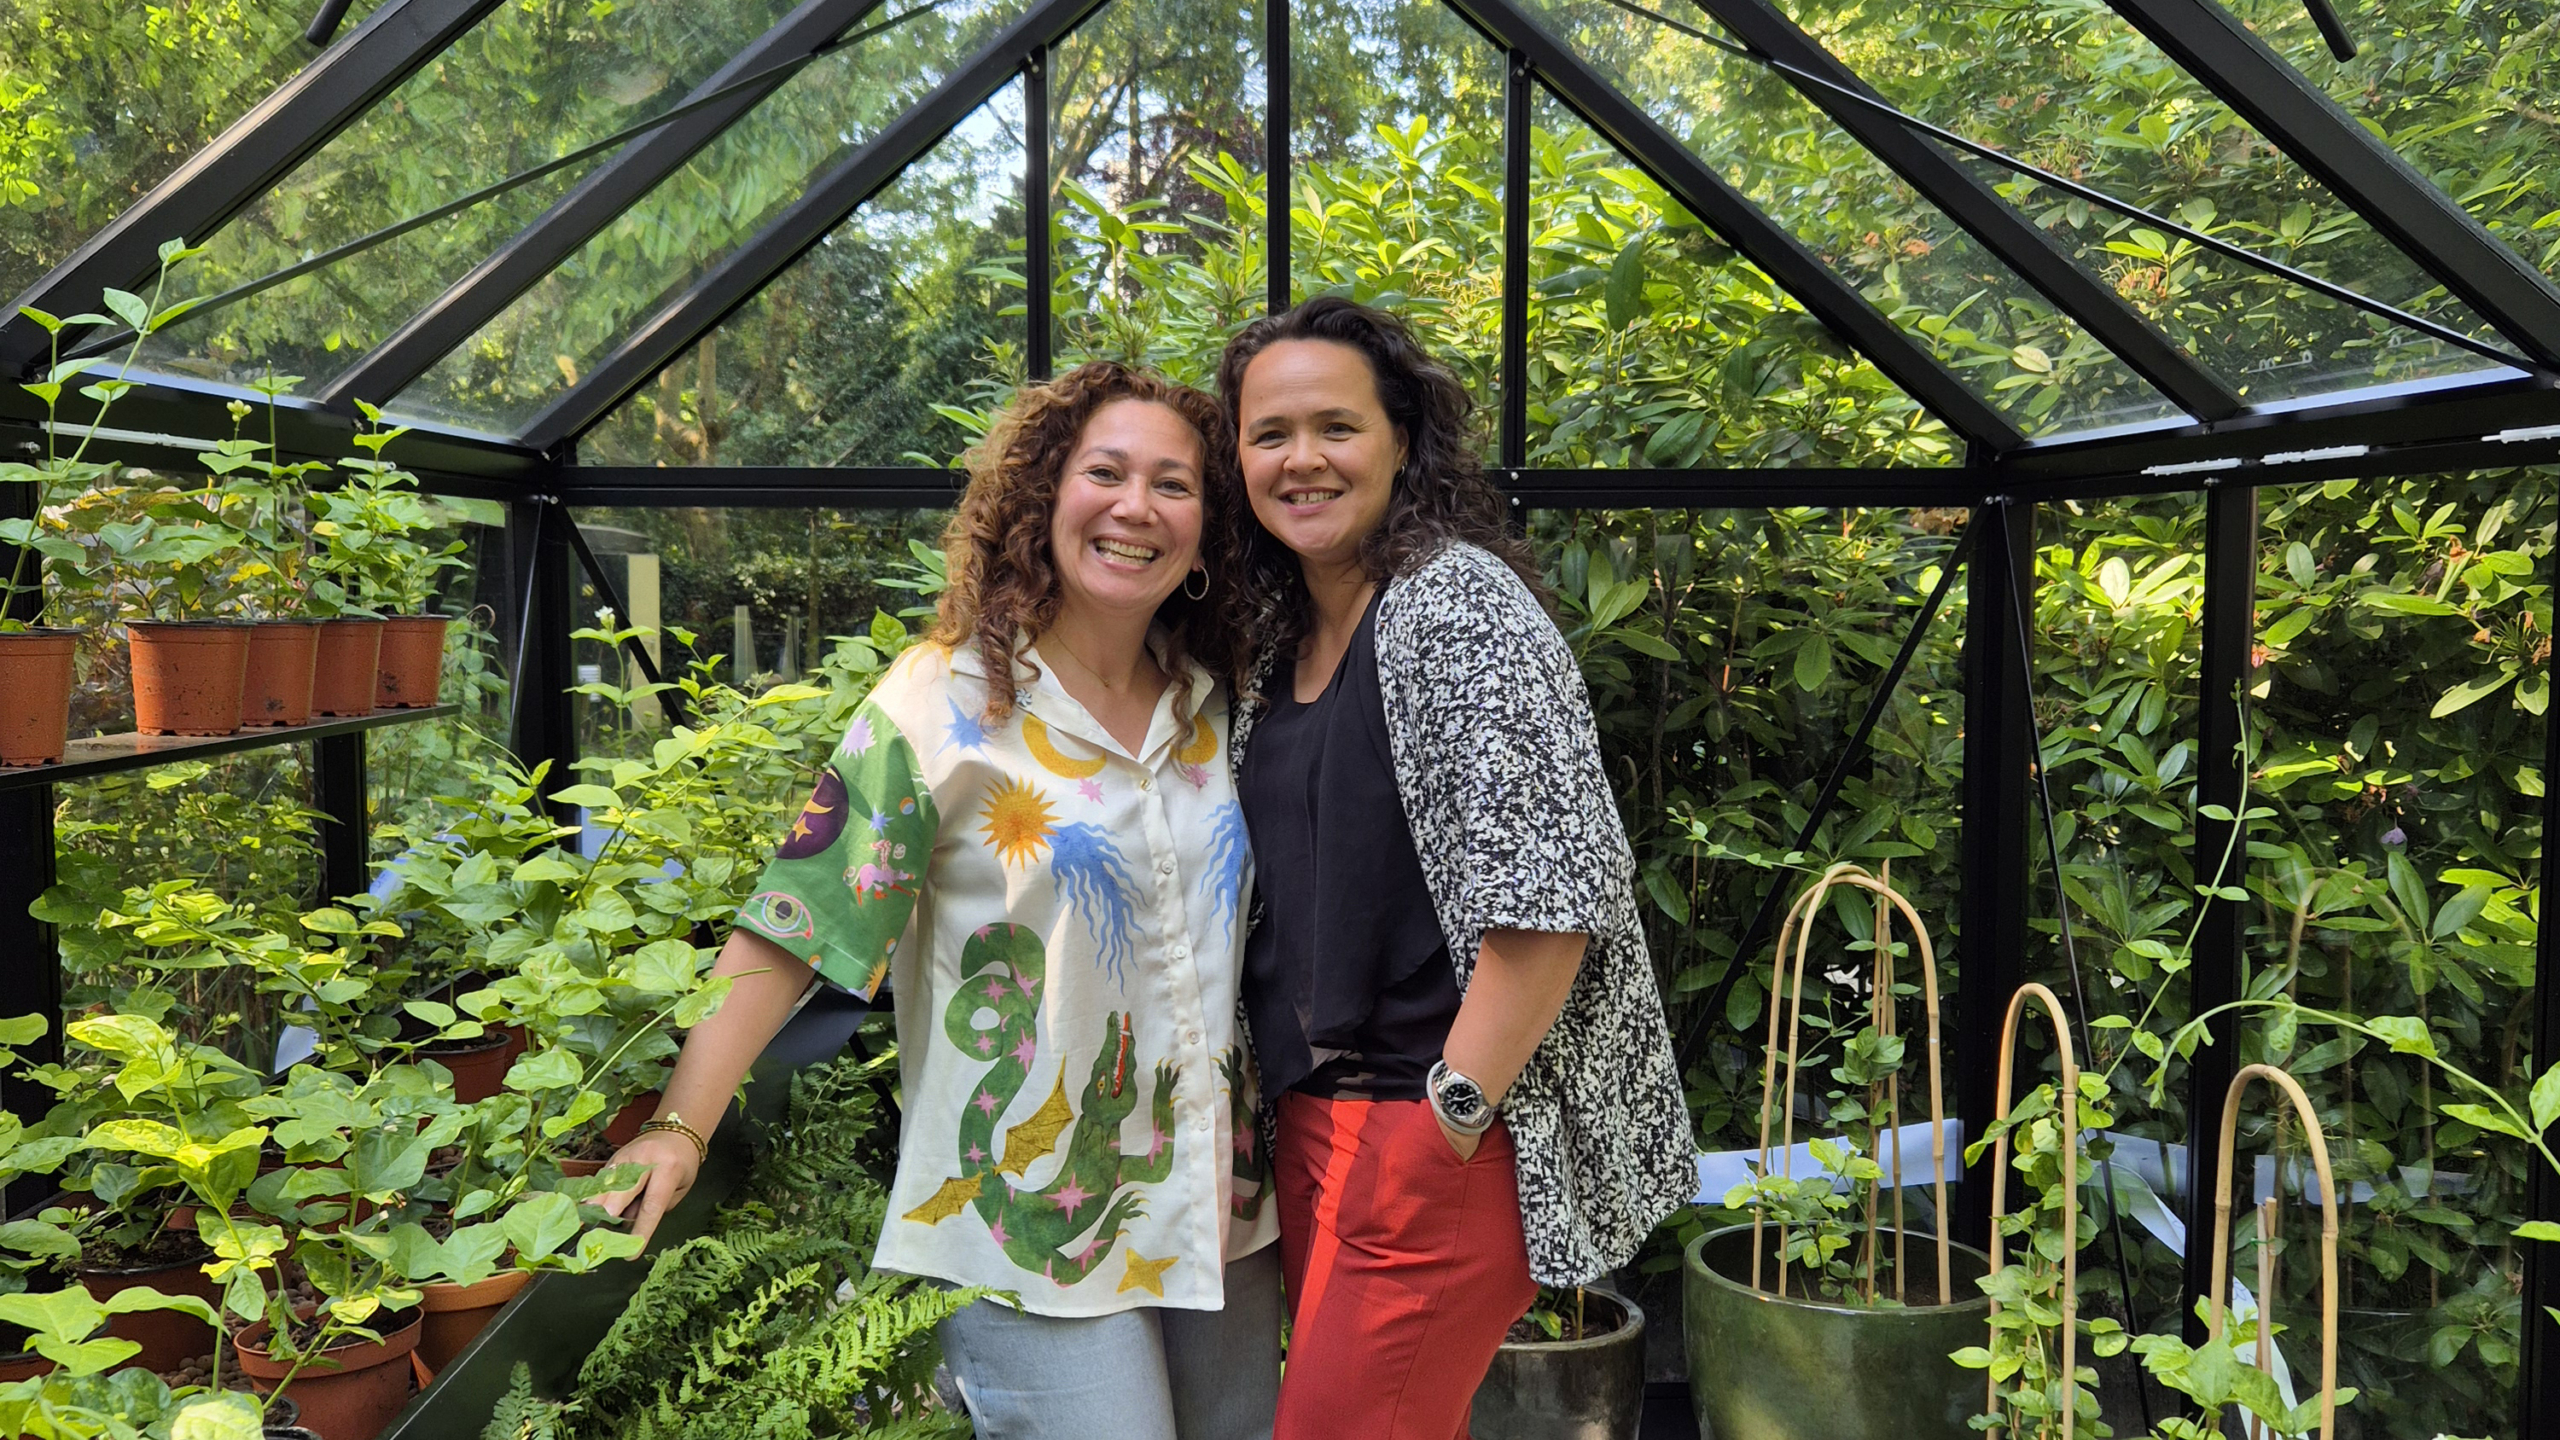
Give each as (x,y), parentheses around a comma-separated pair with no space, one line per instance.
(2119,246)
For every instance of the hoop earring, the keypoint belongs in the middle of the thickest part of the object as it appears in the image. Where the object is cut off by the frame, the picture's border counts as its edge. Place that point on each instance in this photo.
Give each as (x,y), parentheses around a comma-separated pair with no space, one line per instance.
(1202,593)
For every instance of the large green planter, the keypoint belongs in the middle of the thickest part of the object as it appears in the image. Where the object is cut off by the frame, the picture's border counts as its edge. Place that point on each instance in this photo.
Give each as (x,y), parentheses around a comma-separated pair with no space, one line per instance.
(1766,1368)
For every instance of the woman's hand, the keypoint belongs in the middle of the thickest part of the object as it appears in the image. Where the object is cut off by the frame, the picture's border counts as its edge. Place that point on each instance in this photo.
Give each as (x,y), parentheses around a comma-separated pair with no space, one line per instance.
(673,1167)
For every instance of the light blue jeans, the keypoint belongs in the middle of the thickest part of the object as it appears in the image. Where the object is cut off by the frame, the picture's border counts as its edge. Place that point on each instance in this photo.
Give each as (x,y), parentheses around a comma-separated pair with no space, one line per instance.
(1145,1374)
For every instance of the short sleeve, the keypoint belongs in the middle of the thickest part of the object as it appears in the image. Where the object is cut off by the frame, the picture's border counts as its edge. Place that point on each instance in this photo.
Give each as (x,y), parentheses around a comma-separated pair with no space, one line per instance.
(1497,710)
(842,884)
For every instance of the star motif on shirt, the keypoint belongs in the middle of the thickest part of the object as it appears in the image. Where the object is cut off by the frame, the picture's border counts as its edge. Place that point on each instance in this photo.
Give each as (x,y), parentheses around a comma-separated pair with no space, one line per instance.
(1145,1274)
(986,1044)
(964,730)
(1073,1197)
(1026,1052)
(1198,775)
(996,988)
(1244,1139)
(985,1102)
(977,1154)
(1090,789)
(995,1232)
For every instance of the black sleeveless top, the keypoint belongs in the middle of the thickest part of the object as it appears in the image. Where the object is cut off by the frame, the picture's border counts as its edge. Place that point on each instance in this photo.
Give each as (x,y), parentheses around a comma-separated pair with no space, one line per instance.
(1347,980)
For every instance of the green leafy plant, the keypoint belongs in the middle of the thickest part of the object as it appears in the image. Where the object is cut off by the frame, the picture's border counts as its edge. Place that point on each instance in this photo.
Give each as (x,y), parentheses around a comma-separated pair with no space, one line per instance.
(373,559)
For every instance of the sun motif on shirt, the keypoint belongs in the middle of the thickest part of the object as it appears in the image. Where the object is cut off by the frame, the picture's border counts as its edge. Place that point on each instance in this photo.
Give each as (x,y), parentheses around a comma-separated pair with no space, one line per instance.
(1017,819)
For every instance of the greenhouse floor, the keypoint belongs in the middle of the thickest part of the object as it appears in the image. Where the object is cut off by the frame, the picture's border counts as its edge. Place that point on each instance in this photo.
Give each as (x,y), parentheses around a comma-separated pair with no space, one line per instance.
(1667,1415)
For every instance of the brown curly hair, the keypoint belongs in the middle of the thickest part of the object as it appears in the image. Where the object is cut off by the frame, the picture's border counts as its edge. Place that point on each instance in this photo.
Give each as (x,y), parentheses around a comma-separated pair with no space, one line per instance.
(1004,581)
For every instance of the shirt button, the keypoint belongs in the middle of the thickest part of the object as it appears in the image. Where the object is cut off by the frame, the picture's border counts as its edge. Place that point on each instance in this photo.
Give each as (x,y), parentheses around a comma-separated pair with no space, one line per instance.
(1164,867)
(1191,1037)
(1146,783)
(1180,952)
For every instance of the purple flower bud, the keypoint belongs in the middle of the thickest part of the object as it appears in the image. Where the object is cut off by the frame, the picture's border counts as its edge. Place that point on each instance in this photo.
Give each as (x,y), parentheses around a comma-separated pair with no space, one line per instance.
(2395,837)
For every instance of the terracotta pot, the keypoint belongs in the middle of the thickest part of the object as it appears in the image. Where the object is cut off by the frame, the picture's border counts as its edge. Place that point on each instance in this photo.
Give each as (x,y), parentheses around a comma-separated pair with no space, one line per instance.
(188,675)
(281,656)
(625,1125)
(35,695)
(456,1314)
(479,1067)
(168,1339)
(25,1365)
(352,1390)
(412,662)
(342,677)
(580,1169)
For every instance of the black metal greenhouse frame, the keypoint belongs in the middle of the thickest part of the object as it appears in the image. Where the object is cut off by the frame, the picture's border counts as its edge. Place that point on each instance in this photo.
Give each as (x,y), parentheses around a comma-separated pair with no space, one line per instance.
(2226,448)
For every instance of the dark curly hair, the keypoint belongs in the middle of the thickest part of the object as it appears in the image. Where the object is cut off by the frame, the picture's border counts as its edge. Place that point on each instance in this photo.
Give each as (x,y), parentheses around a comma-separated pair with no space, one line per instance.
(1440,494)
(1004,581)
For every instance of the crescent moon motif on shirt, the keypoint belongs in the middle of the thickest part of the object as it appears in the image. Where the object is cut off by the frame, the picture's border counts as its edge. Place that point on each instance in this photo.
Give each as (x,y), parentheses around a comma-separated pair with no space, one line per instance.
(1204,743)
(1035,738)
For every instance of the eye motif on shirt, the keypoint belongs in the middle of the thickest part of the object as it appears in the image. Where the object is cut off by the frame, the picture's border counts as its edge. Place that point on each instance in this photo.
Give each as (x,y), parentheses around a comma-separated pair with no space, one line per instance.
(820,821)
(779,916)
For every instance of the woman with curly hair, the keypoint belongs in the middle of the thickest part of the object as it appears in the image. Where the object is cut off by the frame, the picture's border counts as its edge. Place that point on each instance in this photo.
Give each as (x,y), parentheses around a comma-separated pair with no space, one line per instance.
(1448,988)
(1031,831)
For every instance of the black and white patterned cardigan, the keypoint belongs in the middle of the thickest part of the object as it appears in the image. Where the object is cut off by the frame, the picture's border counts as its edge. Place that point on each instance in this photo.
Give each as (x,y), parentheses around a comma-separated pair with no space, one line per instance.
(1498,762)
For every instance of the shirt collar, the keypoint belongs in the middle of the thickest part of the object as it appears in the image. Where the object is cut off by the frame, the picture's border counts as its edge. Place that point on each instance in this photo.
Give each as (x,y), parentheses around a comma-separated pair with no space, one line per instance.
(1037,692)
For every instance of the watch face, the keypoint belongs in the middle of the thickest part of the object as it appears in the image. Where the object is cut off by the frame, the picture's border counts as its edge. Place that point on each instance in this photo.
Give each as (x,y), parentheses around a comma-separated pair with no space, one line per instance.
(1460,1097)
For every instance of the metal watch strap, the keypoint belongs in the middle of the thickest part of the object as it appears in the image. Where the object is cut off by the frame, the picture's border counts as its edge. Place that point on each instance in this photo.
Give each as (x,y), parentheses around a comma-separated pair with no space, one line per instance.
(1442,1078)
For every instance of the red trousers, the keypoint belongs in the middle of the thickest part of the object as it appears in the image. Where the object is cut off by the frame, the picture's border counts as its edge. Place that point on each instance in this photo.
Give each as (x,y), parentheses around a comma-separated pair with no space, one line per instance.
(1404,1264)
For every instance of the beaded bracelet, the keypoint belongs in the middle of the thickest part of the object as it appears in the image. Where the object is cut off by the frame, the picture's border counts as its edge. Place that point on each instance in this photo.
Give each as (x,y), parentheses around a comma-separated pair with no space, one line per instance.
(675,1123)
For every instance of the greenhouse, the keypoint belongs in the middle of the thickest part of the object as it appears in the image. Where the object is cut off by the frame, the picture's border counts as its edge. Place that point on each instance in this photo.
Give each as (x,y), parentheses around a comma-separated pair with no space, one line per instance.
(2052,502)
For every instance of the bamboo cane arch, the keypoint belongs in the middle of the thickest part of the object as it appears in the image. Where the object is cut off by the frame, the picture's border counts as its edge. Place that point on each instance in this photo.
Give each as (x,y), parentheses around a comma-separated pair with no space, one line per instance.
(2328,1232)
(2069,1120)
(1888,900)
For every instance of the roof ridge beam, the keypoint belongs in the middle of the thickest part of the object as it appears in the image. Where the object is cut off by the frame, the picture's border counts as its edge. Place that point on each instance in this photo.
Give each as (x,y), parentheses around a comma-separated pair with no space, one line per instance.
(821,207)
(249,158)
(2027,248)
(2299,118)
(1787,260)
(612,188)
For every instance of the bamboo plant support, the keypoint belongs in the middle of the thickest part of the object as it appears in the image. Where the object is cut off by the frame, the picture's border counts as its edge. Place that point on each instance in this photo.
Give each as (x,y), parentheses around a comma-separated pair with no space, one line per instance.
(2069,1120)
(1798,926)
(2328,1235)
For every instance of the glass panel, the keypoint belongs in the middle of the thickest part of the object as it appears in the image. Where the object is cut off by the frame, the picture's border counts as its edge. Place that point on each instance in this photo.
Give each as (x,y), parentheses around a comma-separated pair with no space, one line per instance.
(528,84)
(1783,621)
(1905,255)
(1651,344)
(2402,755)
(841,360)
(1156,120)
(2466,93)
(2117,649)
(2076,90)
(761,591)
(98,103)
(1396,121)
(551,335)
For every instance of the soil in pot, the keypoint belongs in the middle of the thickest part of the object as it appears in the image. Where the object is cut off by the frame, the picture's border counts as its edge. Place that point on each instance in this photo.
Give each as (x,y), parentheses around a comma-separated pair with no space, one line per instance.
(456,1314)
(479,1066)
(352,1389)
(412,661)
(1589,1387)
(281,656)
(35,695)
(188,675)
(342,675)
(172,1265)
(1770,1367)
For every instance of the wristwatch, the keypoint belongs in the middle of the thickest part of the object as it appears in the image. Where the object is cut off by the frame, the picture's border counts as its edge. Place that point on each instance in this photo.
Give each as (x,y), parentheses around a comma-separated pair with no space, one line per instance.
(1458,1101)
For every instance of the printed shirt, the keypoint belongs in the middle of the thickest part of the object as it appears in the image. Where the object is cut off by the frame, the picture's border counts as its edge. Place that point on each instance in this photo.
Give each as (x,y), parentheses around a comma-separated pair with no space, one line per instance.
(1061,925)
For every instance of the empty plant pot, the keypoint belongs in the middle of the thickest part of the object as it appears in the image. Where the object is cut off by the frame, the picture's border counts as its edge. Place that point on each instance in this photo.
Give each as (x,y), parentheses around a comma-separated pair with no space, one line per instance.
(188,675)
(35,695)
(412,662)
(24,1365)
(1586,1389)
(456,1314)
(168,1338)
(625,1125)
(353,1388)
(281,656)
(342,677)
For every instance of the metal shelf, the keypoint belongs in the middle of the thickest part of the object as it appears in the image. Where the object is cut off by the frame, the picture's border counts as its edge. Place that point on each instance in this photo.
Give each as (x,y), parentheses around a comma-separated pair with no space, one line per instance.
(106,754)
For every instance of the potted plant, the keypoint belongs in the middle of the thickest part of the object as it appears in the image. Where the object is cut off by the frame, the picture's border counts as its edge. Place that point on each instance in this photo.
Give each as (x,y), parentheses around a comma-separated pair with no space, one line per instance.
(35,707)
(1819,1279)
(274,579)
(94,1390)
(374,568)
(1571,1369)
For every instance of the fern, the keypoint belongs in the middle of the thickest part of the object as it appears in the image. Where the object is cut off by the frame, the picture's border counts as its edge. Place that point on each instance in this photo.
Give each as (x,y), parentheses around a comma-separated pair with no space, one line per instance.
(773,1326)
(523,1415)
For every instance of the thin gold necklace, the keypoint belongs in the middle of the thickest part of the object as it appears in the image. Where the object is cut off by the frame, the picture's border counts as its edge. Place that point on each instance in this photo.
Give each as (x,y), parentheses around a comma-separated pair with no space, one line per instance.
(1136,679)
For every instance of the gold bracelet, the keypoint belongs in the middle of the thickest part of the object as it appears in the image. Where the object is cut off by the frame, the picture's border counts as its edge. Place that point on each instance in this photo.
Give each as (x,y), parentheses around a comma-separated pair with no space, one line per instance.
(675,1122)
